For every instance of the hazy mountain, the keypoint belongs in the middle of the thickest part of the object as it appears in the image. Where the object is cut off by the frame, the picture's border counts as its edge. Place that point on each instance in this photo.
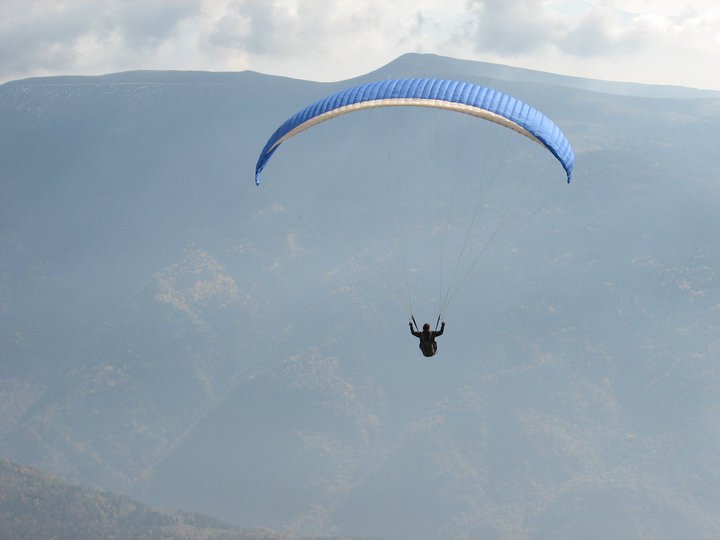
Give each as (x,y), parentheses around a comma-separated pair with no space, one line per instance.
(35,505)
(173,333)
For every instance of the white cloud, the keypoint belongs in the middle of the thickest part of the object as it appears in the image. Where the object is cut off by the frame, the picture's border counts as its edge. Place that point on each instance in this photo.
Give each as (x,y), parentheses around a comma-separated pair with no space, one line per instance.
(77,36)
(658,41)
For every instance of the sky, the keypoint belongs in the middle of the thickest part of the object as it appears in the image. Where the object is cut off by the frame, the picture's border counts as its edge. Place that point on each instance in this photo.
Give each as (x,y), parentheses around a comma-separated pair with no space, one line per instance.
(669,42)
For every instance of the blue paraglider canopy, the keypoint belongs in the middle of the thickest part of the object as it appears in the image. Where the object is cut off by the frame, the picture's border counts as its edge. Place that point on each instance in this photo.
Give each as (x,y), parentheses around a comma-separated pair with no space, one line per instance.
(458,96)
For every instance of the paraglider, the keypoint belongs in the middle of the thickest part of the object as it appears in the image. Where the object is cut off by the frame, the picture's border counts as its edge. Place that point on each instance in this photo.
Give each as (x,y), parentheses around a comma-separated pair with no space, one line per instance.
(464,97)
(428,345)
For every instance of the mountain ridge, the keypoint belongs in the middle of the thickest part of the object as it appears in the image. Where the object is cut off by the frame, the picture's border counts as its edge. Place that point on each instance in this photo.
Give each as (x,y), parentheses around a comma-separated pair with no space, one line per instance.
(37,505)
(412,65)
(172,333)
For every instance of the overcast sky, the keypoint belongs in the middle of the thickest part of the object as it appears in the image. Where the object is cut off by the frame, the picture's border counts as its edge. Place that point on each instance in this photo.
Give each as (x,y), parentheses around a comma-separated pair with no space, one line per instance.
(653,41)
